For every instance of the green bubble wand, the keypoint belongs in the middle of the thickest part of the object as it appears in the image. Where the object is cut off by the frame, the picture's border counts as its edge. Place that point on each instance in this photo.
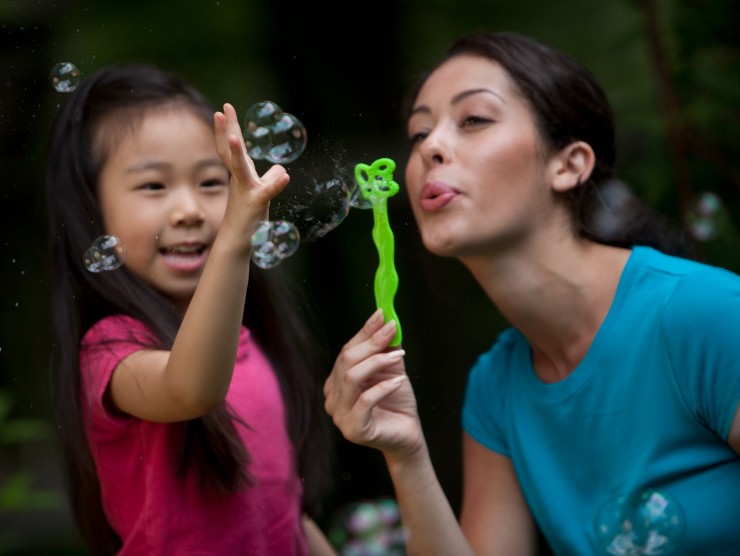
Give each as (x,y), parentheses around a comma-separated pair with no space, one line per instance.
(376,185)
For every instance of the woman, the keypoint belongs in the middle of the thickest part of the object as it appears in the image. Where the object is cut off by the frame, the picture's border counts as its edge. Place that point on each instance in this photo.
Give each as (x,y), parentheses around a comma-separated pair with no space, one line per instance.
(613,396)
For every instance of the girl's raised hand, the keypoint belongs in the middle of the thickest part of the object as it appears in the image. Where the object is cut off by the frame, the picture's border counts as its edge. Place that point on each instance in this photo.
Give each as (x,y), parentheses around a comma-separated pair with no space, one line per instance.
(368,394)
(250,191)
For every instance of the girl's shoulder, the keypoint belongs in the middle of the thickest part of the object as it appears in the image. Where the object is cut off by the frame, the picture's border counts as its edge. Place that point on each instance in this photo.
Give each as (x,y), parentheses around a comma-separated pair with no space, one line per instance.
(117,328)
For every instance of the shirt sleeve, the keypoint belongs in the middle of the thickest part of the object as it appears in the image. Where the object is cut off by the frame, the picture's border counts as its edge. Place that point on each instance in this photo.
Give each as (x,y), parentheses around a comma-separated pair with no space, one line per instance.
(484,408)
(104,346)
(702,329)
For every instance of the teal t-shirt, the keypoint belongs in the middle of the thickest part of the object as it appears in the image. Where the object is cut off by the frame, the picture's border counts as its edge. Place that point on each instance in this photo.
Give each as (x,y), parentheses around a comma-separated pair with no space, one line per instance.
(628,454)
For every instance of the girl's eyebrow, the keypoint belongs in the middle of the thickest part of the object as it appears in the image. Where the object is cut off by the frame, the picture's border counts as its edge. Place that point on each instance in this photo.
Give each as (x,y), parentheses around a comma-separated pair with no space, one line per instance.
(147,165)
(424,109)
(160,165)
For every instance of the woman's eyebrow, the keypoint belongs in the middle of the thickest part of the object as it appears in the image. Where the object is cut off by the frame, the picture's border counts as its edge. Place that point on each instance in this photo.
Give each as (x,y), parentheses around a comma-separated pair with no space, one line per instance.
(424,109)
(470,92)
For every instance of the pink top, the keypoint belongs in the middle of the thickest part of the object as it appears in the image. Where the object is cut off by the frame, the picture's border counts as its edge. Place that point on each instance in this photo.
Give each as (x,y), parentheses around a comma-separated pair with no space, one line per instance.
(148,506)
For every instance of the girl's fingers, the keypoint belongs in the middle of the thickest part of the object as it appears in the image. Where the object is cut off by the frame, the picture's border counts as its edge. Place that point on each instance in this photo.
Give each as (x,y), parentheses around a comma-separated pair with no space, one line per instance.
(233,151)
(222,141)
(242,167)
(230,142)
(275,180)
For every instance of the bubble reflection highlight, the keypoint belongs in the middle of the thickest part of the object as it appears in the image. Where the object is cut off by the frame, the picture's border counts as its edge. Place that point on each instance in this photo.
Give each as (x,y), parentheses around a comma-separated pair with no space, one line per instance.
(368,528)
(649,522)
(705,217)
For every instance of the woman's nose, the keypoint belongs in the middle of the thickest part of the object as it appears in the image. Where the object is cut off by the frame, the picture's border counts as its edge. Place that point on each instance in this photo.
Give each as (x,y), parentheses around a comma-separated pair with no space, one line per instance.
(434,148)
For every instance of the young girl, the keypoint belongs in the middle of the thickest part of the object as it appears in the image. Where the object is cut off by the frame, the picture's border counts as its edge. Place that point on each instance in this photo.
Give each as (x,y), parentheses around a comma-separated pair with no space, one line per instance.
(185,383)
(607,415)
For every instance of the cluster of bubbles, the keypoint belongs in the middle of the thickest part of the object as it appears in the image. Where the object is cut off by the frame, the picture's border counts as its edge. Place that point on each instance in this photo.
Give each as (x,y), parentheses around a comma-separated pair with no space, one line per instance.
(368,528)
(106,253)
(274,241)
(705,217)
(280,138)
(273,135)
(648,522)
(65,77)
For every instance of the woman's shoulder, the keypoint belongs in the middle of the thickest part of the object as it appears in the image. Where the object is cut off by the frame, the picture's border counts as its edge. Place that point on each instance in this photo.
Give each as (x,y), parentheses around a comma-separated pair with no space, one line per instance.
(501,356)
(690,271)
(697,296)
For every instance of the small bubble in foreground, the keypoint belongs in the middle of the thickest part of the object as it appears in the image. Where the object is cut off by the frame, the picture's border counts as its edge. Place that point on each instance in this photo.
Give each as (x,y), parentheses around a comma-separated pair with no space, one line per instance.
(65,77)
(106,253)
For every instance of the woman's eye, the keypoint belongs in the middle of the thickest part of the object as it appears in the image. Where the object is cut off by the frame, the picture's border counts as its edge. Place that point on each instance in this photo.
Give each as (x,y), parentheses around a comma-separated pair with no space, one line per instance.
(475,120)
(415,138)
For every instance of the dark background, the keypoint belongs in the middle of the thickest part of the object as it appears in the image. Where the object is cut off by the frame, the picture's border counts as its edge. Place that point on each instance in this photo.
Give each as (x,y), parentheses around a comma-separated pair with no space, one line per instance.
(670,67)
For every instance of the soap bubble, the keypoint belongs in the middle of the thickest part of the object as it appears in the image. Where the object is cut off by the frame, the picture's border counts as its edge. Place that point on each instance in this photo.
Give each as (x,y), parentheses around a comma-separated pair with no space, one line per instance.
(274,241)
(65,77)
(368,528)
(106,253)
(705,217)
(317,209)
(649,522)
(358,200)
(272,134)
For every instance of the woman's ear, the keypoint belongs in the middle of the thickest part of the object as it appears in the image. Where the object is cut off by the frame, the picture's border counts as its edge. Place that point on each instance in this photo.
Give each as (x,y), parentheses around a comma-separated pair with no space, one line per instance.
(572,165)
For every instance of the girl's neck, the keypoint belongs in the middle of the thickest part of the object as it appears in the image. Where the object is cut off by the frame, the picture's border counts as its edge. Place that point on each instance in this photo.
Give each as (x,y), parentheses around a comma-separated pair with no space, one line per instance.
(557,297)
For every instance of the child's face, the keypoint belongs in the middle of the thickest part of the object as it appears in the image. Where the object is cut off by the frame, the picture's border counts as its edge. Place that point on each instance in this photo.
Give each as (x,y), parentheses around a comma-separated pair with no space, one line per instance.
(163,192)
(476,175)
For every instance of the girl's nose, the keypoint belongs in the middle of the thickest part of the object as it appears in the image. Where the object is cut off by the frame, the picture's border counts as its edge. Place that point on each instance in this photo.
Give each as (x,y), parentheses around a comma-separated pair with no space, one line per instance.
(186,210)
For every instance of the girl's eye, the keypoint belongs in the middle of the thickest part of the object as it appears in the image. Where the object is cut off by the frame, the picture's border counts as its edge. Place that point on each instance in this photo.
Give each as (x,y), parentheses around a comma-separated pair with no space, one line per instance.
(152,186)
(215,182)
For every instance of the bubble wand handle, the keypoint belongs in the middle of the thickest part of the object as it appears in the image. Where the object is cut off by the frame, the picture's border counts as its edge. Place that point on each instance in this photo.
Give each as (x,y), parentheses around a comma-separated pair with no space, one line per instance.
(376,185)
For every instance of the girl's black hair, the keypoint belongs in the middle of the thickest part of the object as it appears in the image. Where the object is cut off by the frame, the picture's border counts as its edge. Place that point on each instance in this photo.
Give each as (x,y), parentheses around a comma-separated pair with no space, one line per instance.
(276,311)
(569,105)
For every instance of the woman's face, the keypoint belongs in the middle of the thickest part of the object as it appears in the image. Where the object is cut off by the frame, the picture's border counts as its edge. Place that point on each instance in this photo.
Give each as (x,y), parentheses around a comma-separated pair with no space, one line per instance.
(477,174)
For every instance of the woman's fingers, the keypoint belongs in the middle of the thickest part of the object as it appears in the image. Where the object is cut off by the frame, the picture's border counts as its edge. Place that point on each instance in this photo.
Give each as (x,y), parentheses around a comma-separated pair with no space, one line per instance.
(359,368)
(358,425)
(374,331)
(372,338)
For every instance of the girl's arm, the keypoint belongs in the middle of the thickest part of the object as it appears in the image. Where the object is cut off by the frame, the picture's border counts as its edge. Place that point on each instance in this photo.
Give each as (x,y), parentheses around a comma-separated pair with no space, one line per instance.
(193,378)
(318,544)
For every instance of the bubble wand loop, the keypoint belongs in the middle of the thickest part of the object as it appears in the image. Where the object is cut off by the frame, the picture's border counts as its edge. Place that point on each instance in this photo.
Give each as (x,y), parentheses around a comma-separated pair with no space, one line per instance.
(376,185)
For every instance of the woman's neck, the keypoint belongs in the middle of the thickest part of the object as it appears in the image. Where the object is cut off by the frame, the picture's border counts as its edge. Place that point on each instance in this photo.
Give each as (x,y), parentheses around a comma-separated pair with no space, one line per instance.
(556,297)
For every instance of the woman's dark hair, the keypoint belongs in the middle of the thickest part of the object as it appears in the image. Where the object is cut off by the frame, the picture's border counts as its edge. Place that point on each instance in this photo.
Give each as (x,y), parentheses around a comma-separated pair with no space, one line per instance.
(275,310)
(568,105)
